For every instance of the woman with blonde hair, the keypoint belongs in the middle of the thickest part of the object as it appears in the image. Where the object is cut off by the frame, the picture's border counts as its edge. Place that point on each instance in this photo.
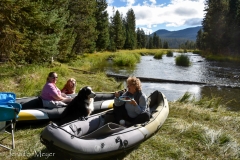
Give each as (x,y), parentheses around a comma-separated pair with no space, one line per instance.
(135,109)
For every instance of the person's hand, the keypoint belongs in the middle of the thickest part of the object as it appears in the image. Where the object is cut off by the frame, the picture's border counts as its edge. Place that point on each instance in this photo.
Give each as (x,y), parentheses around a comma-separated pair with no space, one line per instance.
(133,102)
(117,94)
(63,94)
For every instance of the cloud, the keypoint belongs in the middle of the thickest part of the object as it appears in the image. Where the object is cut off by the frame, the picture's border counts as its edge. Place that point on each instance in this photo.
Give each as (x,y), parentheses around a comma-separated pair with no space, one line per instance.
(110,2)
(193,22)
(183,11)
(129,2)
(153,1)
(151,13)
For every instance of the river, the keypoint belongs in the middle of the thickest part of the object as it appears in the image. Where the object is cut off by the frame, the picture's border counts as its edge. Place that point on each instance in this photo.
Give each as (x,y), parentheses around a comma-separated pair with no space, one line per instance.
(222,78)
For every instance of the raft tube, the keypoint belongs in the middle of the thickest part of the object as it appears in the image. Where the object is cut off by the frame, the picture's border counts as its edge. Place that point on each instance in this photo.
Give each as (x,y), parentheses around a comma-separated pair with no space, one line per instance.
(98,137)
(33,110)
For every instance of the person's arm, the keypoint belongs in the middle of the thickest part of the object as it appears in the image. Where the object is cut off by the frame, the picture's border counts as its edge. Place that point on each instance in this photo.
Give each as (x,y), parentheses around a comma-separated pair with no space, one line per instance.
(118,102)
(58,97)
(141,107)
(54,92)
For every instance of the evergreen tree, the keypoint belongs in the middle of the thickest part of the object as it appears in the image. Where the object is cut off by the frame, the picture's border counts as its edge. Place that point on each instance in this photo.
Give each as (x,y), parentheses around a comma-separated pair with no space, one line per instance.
(67,37)
(35,28)
(102,25)
(139,39)
(156,41)
(9,34)
(199,40)
(84,23)
(238,29)
(143,38)
(112,45)
(214,26)
(150,42)
(66,44)
(117,36)
(188,45)
(165,45)
(231,34)
(221,27)
(130,26)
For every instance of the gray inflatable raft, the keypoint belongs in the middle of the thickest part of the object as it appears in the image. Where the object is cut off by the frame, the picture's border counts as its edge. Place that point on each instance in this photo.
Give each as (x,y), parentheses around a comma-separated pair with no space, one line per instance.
(34,112)
(98,137)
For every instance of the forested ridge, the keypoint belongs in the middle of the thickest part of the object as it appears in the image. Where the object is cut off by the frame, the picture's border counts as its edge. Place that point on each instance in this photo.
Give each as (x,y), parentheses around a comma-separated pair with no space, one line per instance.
(33,31)
(220,33)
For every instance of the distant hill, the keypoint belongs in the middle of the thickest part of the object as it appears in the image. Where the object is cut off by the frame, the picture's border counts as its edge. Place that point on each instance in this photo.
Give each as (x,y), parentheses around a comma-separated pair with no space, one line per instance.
(175,38)
(188,33)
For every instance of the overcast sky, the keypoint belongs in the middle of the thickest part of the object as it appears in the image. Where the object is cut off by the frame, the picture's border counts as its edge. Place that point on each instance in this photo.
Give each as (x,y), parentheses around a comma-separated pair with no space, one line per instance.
(152,15)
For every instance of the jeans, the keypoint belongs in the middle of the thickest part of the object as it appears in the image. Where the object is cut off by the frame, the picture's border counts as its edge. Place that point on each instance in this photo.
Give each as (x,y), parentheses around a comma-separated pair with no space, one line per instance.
(121,113)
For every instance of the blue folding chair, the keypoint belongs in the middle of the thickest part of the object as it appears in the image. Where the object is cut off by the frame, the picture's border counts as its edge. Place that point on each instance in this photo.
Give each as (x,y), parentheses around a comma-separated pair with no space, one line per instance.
(8,113)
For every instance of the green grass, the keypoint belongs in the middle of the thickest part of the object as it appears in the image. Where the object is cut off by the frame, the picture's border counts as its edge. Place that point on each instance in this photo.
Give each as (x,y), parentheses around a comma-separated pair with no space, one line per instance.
(194,129)
(182,60)
(183,51)
(222,58)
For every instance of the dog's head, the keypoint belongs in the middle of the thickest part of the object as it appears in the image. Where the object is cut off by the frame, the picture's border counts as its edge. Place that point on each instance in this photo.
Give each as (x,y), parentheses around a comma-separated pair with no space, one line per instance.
(86,93)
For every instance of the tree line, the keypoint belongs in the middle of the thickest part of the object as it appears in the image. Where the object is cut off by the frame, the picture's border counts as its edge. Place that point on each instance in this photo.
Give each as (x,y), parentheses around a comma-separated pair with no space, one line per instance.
(220,33)
(33,31)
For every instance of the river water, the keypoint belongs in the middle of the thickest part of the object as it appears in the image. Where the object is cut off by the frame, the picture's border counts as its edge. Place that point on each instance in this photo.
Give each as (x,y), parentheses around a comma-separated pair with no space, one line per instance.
(222,78)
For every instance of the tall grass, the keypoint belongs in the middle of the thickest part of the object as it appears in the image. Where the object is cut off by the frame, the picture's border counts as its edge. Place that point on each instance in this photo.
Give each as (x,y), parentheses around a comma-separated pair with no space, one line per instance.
(182,60)
(185,98)
(158,56)
(126,59)
(29,80)
(169,53)
(150,51)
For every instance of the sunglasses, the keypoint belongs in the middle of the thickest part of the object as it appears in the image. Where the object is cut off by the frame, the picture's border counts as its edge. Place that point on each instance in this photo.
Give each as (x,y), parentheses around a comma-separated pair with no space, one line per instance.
(54,77)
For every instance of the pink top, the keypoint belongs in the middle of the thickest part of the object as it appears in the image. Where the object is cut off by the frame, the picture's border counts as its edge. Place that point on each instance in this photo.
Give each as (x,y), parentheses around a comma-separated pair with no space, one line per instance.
(49,91)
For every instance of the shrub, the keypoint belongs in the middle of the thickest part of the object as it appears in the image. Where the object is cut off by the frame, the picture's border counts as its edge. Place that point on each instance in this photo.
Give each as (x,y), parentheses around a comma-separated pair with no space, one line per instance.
(182,60)
(169,53)
(126,59)
(158,55)
(196,52)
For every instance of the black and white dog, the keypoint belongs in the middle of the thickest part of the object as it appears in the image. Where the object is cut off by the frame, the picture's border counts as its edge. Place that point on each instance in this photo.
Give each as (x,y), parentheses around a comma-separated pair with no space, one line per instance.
(80,106)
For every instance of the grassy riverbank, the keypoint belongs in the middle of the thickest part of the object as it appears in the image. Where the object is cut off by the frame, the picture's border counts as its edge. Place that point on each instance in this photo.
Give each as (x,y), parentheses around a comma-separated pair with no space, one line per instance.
(201,129)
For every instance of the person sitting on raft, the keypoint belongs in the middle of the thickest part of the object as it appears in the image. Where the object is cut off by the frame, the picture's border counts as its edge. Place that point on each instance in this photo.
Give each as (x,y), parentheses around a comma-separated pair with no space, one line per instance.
(51,95)
(135,110)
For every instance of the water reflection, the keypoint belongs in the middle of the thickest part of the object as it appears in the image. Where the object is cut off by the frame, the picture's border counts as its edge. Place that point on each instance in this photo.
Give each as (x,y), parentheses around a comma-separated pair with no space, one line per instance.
(172,91)
(230,96)
(175,91)
(215,73)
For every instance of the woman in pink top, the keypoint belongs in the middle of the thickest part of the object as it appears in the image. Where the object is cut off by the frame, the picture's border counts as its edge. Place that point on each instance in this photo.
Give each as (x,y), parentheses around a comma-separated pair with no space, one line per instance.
(51,94)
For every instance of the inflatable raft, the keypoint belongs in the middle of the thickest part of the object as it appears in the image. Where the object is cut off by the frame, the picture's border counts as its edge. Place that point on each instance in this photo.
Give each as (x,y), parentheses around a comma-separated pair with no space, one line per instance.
(98,137)
(33,111)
